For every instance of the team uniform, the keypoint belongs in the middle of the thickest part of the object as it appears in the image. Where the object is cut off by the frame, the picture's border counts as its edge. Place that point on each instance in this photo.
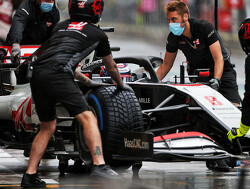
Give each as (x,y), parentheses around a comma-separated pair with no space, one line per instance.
(29,26)
(199,56)
(53,79)
(246,101)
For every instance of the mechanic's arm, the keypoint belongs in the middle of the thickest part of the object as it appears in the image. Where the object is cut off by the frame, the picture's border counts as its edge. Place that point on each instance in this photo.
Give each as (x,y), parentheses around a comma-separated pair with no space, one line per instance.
(15,34)
(166,65)
(215,50)
(114,73)
(112,69)
(86,81)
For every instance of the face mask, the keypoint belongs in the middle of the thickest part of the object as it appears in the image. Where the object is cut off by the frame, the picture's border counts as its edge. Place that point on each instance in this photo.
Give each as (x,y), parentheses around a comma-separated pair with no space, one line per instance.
(176,28)
(46,7)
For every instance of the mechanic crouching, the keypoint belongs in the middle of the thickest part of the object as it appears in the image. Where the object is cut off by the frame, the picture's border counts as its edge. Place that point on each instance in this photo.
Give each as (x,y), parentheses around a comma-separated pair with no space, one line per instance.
(244,37)
(32,24)
(202,46)
(53,81)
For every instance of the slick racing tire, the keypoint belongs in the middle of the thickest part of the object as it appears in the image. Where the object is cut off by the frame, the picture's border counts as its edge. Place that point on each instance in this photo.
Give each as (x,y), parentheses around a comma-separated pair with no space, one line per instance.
(116,110)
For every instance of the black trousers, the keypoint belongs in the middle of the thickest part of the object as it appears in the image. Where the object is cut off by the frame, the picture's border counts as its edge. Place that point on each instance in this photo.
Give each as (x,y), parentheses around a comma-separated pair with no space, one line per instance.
(246,100)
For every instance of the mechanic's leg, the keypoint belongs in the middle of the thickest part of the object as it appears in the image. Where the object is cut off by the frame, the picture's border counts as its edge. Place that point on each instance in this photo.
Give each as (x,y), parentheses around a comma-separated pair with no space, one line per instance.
(92,136)
(39,145)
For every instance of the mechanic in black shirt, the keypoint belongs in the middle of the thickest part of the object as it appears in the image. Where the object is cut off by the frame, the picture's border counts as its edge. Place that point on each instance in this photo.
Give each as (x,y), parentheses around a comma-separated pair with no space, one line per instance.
(53,81)
(202,46)
(244,37)
(32,23)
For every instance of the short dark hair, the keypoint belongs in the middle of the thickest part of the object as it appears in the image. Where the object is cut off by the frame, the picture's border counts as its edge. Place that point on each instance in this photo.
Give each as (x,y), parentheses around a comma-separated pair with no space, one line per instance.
(177,5)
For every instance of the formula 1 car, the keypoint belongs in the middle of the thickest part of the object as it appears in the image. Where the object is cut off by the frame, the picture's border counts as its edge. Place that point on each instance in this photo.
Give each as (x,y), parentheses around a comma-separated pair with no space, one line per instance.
(172,121)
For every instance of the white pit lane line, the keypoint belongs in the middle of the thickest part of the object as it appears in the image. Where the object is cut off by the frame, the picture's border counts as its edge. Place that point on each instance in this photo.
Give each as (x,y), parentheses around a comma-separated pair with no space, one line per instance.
(4,154)
(50,181)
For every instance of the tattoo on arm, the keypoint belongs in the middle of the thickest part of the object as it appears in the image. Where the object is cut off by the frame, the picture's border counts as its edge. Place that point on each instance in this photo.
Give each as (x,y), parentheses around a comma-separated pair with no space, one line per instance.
(112,69)
(98,151)
(82,78)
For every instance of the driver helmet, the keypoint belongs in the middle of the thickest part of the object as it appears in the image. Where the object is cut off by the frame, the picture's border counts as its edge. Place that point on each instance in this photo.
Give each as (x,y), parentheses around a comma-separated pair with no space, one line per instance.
(89,10)
(244,35)
(125,72)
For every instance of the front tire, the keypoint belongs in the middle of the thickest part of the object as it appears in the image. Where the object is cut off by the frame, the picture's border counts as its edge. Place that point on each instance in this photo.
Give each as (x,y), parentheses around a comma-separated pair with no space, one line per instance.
(116,111)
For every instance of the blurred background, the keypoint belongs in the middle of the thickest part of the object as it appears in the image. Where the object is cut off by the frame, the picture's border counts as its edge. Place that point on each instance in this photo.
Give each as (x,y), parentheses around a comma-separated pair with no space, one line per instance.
(146,18)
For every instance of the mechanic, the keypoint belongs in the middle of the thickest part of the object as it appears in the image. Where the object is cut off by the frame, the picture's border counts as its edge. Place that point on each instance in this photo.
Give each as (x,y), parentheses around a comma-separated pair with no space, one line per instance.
(244,38)
(32,24)
(53,81)
(202,46)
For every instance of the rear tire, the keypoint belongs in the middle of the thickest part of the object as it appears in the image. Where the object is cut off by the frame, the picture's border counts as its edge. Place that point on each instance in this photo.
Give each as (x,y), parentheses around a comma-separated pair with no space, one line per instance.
(116,111)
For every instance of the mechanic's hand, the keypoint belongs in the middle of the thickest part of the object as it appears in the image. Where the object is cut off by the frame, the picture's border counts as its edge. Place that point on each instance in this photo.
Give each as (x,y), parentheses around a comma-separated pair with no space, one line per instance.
(125,87)
(215,83)
(15,52)
(94,84)
(238,132)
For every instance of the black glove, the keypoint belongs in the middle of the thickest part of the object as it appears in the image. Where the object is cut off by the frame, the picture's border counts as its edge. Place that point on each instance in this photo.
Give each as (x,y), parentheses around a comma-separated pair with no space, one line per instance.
(94,84)
(125,87)
(15,52)
(215,83)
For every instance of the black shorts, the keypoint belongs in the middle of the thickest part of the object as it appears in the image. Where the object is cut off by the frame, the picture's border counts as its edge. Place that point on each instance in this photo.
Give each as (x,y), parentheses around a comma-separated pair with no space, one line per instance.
(229,87)
(50,87)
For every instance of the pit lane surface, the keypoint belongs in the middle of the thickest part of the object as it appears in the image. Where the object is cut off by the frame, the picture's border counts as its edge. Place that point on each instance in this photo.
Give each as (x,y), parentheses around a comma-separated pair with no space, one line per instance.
(184,175)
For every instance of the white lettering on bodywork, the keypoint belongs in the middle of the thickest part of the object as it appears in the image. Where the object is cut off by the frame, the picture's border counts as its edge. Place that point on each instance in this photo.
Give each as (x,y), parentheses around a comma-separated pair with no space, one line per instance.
(136,143)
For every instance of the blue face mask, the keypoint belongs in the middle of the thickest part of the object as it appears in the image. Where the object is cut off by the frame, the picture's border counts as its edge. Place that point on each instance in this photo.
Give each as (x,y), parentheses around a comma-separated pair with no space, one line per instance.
(46,7)
(176,28)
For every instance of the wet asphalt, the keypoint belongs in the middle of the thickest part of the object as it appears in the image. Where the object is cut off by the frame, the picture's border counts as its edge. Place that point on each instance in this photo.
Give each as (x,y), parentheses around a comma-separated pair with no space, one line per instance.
(179,175)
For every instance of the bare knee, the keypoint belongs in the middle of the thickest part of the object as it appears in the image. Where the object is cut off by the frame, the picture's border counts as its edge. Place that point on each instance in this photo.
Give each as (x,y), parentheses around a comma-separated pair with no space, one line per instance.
(48,127)
(86,118)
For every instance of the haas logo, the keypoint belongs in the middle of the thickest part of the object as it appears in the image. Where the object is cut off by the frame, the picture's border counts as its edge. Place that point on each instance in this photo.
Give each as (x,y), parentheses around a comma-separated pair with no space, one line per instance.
(81,4)
(97,6)
(213,100)
(246,27)
(76,26)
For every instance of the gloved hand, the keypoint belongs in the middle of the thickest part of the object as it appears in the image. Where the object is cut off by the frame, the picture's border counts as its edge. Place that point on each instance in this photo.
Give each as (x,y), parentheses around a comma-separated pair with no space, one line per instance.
(125,87)
(15,52)
(215,83)
(94,84)
(238,132)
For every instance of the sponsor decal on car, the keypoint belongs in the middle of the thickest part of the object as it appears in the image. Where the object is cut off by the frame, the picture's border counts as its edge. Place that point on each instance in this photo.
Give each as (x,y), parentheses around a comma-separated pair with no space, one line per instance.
(26,51)
(213,100)
(22,117)
(135,143)
(145,100)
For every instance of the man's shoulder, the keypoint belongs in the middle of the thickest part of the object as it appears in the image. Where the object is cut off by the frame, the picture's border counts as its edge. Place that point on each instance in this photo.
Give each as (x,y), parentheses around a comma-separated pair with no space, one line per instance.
(29,7)
(200,22)
(96,29)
